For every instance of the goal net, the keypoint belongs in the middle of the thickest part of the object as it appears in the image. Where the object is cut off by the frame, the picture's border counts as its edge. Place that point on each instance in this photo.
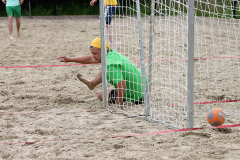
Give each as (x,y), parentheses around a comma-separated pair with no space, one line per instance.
(165,56)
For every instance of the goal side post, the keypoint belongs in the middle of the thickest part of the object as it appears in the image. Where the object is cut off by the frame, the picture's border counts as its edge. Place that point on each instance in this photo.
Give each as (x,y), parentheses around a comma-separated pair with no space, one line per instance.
(146,107)
(190,79)
(103,54)
(153,6)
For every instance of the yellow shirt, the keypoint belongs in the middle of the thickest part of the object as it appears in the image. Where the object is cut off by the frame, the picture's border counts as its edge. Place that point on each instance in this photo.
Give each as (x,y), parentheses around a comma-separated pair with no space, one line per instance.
(110,2)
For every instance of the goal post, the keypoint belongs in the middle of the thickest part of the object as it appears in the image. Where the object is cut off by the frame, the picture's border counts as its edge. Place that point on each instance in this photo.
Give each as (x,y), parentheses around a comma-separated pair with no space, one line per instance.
(103,54)
(190,78)
(151,36)
(146,106)
(189,52)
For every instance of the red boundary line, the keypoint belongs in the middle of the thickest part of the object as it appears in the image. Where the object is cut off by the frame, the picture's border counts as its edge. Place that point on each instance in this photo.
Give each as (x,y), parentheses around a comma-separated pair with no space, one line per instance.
(47,65)
(11,114)
(154,133)
(211,102)
(34,18)
(99,63)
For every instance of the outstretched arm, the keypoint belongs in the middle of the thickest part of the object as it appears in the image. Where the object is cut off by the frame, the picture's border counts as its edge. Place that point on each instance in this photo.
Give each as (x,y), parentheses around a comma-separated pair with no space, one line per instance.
(120,91)
(83,59)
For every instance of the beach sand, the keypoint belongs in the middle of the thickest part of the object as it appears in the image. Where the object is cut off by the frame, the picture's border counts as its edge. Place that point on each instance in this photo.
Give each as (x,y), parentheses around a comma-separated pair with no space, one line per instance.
(47,113)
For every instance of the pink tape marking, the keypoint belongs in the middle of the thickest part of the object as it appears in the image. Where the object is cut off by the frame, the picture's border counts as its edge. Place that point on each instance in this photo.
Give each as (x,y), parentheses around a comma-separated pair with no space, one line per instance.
(99,63)
(119,136)
(211,102)
(47,65)
(11,114)
(34,18)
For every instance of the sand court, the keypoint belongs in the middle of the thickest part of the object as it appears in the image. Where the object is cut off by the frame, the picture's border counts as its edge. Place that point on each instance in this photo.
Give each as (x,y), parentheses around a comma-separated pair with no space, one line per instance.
(47,113)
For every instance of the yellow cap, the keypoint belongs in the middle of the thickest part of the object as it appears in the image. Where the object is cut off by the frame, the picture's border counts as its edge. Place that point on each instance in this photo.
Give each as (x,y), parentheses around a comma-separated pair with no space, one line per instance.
(97,43)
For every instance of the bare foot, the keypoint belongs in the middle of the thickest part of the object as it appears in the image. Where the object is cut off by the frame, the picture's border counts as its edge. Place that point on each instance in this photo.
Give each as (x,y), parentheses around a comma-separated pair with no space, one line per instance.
(11,37)
(18,35)
(85,81)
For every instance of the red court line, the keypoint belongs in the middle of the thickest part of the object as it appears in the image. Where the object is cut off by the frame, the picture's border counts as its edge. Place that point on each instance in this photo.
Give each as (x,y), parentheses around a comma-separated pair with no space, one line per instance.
(131,61)
(178,130)
(34,18)
(223,101)
(211,102)
(47,65)
(11,114)
(154,133)
(217,58)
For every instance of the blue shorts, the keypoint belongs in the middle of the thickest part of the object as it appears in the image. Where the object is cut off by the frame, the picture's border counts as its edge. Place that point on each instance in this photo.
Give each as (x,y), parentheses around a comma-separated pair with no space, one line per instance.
(109,12)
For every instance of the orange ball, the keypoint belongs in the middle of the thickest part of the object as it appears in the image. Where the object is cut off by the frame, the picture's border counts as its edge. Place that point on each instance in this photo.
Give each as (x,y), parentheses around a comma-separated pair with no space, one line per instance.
(216,117)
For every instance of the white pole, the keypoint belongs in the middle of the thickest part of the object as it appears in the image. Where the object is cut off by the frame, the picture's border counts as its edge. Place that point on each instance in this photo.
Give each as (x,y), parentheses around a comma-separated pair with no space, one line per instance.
(146,108)
(103,53)
(190,113)
(150,53)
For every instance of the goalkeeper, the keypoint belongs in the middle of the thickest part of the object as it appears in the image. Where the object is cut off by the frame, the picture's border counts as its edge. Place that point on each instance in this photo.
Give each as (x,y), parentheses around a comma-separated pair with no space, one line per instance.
(121,73)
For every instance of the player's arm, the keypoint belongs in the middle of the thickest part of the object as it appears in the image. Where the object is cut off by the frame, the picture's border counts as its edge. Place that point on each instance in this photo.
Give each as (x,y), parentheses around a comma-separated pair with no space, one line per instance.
(21,2)
(88,59)
(92,2)
(120,91)
(4,1)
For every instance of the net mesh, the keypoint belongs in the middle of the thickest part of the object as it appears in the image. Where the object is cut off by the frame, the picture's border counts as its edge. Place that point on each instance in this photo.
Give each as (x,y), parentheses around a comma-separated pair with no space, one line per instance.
(216,63)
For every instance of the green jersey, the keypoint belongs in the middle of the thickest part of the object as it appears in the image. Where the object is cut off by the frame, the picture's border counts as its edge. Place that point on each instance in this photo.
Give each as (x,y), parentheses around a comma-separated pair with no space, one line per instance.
(120,68)
(13,3)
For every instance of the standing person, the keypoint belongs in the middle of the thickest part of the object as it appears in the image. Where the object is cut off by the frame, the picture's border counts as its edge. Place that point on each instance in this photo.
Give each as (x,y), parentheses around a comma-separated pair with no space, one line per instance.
(121,73)
(110,8)
(13,8)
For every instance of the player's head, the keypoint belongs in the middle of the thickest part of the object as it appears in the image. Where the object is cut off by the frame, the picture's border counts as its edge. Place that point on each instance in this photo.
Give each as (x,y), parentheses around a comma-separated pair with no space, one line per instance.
(95,49)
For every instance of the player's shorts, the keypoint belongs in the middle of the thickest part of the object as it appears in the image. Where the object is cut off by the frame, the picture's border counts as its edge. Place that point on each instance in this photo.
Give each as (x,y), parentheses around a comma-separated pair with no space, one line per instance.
(113,95)
(14,11)
(109,12)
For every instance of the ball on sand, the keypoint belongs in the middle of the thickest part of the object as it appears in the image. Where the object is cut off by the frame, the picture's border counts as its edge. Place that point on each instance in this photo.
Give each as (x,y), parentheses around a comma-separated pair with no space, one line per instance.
(216,117)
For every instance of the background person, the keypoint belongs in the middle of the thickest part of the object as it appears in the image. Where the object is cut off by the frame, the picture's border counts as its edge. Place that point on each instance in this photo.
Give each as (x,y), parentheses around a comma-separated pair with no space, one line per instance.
(13,8)
(110,9)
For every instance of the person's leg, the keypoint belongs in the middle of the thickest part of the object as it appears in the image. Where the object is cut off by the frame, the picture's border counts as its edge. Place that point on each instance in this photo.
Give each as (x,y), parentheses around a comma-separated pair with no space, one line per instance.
(99,22)
(17,14)
(10,26)
(110,11)
(18,22)
(93,83)
(109,37)
(10,14)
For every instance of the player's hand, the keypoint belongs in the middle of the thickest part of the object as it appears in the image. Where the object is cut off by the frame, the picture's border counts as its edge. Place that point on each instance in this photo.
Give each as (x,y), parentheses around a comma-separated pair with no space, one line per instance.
(92,2)
(64,59)
(4,1)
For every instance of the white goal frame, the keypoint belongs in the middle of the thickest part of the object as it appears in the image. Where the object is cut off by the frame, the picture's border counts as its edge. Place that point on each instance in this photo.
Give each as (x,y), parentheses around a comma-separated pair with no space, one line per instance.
(150,27)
